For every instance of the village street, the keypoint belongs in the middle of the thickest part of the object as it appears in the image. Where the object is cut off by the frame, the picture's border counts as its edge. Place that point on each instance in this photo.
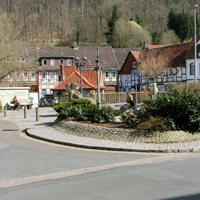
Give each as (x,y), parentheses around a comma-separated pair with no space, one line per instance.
(32,169)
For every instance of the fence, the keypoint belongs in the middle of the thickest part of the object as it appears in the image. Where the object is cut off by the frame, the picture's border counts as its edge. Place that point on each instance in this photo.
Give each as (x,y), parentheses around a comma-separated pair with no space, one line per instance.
(111,98)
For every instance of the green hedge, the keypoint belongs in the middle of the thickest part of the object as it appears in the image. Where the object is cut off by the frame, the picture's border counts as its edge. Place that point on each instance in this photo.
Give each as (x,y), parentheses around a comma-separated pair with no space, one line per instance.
(84,110)
(181,109)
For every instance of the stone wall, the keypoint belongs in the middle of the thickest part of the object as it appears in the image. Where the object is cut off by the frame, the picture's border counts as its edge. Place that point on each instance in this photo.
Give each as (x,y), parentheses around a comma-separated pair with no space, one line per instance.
(98,132)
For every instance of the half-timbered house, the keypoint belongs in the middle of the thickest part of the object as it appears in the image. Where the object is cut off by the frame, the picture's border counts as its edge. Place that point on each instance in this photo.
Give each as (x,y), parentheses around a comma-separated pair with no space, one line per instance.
(181,62)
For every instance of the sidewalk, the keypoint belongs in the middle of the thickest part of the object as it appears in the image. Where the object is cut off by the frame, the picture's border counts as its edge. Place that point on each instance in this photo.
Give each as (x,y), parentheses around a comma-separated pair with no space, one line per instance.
(41,130)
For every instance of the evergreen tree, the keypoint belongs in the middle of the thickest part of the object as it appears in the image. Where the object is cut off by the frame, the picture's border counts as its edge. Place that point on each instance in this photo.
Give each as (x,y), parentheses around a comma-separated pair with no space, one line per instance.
(139,20)
(197,25)
(185,29)
(182,23)
(156,38)
(111,26)
(172,19)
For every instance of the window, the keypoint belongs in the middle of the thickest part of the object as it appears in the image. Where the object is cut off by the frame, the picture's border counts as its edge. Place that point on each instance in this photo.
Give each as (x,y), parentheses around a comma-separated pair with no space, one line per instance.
(25,74)
(113,74)
(51,75)
(61,61)
(199,68)
(198,51)
(170,72)
(106,74)
(52,62)
(17,74)
(33,73)
(134,64)
(45,62)
(43,75)
(178,71)
(69,62)
(129,77)
(123,78)
(192,69)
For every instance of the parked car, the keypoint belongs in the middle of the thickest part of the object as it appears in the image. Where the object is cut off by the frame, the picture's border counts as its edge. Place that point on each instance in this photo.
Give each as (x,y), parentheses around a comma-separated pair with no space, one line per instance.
(48,100)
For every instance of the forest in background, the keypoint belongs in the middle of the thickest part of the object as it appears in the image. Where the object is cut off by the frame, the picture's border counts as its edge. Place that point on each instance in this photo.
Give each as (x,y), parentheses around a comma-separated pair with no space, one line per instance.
(62,22)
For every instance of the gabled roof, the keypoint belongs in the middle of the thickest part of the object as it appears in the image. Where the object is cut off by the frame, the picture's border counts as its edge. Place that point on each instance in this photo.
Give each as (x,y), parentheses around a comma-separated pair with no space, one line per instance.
(135,54)
(106,55)
(127,66)
(190,51)
(69,70)
(46,52)
(173,54)
(121,54)
(89,78)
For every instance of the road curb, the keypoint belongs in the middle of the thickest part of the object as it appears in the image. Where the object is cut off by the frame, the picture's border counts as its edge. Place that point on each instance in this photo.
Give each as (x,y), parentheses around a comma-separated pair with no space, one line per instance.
(174,150)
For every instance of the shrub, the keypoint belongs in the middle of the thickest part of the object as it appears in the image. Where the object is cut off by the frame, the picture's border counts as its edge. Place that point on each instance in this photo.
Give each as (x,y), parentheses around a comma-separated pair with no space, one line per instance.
(181,109)
(81,102)
(107,114)
(154,124)
(74,112)
(128,117)
(59,108)
(92,113)
(84,110)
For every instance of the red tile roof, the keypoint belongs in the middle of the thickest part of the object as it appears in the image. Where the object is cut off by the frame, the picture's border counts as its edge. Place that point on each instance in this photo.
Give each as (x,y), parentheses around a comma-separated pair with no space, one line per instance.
(173,54)
(72,74)
(190,51)
(121,54)
(135,54)
(69,70)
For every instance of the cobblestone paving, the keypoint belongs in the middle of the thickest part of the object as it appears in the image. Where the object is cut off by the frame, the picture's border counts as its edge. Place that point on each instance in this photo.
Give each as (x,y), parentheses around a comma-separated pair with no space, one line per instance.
(120,134)
(41,130)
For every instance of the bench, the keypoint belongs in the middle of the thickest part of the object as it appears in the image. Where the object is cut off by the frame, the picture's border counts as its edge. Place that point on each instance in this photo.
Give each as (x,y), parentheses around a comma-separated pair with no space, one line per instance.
(24,102)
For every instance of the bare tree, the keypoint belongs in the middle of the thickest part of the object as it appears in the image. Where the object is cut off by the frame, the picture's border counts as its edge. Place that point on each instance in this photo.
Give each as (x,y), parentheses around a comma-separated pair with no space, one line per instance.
(156,62)
(13,55)
(154,66)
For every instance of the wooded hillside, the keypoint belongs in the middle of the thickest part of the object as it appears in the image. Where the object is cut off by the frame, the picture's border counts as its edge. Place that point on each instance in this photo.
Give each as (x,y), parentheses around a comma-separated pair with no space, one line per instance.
(62,22)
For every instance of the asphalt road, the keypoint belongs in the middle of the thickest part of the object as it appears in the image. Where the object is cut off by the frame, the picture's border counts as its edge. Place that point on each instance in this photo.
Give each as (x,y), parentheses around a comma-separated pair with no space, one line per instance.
(31,169)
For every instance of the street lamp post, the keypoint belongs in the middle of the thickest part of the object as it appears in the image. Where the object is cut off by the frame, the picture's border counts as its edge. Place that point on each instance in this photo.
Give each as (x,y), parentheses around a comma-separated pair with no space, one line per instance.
(98,78)
(195,47)
(79,65)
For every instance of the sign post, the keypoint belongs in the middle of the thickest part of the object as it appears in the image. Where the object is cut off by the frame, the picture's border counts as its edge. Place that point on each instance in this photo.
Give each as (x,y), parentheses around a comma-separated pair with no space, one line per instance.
(135,73)
(153,88)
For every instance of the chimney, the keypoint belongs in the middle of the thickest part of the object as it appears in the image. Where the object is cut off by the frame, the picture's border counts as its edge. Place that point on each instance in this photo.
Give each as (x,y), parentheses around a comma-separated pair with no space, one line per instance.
(37,45)
(61,73)
(75,45)
(145,46)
